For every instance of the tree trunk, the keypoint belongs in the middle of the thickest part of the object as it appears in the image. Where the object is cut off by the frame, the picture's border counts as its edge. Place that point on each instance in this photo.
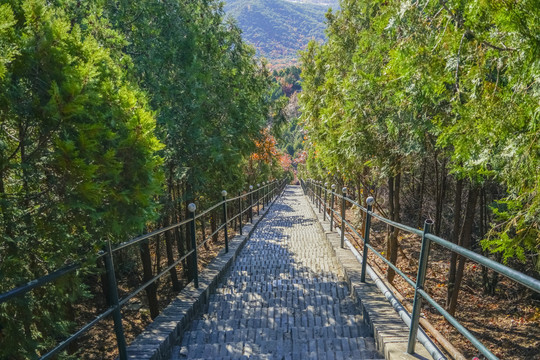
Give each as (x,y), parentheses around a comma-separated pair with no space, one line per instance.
(170,260)
(455,240)
(213,228)
(441,192)
(104,280)
(158,254)
(151,290)
(6,216)
(465,241)
(361,201)
(392,243)
(421,195)
(190,259)
(181,242)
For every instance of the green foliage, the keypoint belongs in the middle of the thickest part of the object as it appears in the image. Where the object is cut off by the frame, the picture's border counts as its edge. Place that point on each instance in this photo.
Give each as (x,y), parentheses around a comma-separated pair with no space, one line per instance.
(397,81)
(78,162)
(100,103)
(210,92)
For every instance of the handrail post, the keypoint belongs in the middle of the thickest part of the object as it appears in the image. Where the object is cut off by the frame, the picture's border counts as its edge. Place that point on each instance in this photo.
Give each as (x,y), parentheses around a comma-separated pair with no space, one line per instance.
(420,278)
(266,192)
(113,294)
(258,198)
(343,193)
(251,203)
(192,207)
(240,210)
(319,187)
(325,199)
(332,208)
(314,192)
(370,200)
(262,189)
(224,195)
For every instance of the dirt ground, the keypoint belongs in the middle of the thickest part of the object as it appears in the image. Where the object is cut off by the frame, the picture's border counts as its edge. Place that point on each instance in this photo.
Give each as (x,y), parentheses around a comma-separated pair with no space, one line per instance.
(508,323)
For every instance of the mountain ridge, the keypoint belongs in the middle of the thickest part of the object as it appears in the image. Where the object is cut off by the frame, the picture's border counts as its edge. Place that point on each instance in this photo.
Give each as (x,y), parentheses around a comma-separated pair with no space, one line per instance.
(278,29)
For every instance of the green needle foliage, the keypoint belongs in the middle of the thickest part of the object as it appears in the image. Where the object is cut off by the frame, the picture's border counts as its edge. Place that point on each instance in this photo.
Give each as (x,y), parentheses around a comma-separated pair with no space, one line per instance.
(400,81)
(114,115)
(209,90)
(78,161)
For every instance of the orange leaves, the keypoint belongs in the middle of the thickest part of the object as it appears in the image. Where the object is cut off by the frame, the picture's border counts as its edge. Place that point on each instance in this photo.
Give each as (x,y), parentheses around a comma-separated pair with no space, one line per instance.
(266,148)
(285,161)
(301,157)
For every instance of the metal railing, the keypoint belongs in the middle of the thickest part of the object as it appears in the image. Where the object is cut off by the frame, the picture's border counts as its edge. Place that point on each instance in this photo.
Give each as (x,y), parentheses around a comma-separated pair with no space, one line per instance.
(248,203)
(314,190)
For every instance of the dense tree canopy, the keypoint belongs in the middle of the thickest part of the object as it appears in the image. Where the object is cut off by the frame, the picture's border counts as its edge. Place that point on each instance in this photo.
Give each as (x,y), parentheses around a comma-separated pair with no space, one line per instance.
(113,116)
(448,85)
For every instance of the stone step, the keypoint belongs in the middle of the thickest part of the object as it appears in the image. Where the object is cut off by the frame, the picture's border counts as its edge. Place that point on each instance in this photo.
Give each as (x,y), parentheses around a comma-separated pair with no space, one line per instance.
(335,348)
(288,303)
(286,318)
(207,335)
(267,292)
(284,298)
(284,279)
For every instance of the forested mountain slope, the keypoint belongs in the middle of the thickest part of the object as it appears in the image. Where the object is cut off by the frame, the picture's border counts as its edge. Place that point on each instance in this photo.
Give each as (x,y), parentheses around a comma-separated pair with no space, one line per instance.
(279,28)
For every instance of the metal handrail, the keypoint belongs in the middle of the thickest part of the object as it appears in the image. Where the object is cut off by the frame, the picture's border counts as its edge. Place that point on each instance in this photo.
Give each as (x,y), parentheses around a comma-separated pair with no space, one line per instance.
(271,189)
(23,289)
(427,238)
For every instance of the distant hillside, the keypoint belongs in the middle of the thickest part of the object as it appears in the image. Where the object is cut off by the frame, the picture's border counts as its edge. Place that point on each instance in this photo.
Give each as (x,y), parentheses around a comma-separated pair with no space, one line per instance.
(279,28)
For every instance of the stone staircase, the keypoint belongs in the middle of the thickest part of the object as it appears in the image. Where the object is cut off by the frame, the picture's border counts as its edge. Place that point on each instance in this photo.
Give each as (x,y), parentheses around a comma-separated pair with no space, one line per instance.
(284,298)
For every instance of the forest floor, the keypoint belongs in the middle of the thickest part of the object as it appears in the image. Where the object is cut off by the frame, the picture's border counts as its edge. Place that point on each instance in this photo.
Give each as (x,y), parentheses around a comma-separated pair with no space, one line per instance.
(100,342)
(508,322)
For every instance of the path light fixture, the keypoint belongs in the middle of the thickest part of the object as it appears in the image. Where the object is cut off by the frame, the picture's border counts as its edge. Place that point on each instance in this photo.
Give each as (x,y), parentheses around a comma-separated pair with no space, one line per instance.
(258,198)
(332,207)
(225,221)
(192,207)
(344,194)
(251,203)
(367,225)
(325,199)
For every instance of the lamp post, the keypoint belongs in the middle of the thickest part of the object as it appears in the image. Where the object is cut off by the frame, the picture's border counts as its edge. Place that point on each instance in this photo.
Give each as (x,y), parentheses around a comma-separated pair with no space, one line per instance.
(191,208)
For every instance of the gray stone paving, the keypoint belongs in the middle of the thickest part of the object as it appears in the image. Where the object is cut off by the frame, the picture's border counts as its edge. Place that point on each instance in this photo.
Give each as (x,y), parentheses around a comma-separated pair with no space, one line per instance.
(284,297)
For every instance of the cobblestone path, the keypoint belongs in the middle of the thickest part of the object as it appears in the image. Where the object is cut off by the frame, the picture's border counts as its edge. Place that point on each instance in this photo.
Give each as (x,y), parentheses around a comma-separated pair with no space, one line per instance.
(284,297)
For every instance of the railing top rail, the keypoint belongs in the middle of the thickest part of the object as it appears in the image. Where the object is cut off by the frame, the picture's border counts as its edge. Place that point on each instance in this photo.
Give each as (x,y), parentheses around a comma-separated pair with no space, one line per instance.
(201,214)
(149,235)
(523,279)
(23,289)
(20,290)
